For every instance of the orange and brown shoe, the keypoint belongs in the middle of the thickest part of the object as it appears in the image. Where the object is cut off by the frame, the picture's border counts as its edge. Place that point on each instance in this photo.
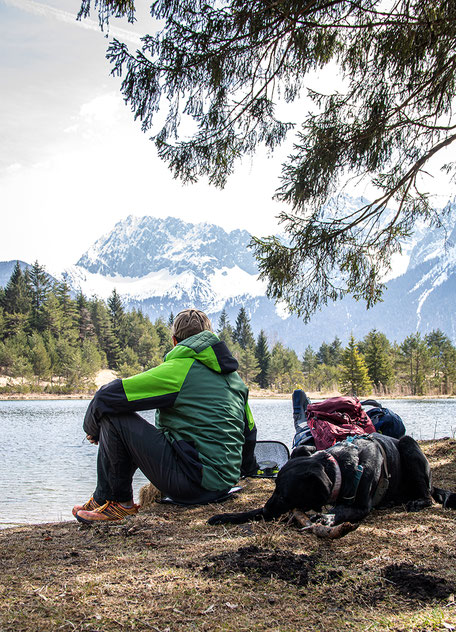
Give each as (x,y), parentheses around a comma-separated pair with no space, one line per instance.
(90,505)
(111,510)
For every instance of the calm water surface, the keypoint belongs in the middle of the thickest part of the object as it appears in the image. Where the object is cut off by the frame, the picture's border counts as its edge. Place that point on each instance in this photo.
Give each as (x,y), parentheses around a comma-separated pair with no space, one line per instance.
(46,465)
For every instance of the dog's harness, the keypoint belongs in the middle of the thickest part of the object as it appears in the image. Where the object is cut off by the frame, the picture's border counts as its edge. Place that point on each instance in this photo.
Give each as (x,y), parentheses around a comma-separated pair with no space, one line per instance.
(382,485)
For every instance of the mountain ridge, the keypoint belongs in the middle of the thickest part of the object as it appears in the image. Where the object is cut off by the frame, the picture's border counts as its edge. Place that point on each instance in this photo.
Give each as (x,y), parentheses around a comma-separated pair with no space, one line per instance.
(164,265)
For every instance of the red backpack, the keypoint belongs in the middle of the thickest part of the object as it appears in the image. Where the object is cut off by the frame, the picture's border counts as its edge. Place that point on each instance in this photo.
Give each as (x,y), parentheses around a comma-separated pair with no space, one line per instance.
(335,419)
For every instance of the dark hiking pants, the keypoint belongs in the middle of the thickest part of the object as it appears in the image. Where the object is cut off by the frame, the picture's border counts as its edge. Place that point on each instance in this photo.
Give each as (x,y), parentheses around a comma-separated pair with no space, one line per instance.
(128,442)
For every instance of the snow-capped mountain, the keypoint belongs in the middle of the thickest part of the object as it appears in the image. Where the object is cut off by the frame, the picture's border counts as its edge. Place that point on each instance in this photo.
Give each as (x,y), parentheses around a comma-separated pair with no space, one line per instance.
(138,246)
(164,265)
(150,260)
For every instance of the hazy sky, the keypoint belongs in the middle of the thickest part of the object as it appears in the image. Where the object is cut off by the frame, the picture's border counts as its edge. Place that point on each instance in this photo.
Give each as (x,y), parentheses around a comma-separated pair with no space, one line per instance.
(73,162)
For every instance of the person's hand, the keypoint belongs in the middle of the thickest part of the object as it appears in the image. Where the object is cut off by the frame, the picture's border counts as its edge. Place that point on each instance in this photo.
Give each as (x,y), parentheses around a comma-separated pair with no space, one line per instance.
(91,439)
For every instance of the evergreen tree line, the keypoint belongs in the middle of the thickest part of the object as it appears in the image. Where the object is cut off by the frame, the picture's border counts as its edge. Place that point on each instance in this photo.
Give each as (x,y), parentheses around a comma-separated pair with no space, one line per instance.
(417,366)
(46,335)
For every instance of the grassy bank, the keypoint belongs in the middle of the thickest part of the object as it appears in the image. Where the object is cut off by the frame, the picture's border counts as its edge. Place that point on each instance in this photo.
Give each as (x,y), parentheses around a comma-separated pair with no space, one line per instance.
(167,570)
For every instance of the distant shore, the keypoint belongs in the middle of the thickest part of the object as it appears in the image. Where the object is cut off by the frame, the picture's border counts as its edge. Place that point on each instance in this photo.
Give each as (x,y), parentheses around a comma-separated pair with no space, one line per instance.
(106,375)
(314,396)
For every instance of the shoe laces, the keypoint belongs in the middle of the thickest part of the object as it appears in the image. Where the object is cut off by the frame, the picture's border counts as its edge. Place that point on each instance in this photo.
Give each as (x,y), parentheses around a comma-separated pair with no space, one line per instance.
(115,510)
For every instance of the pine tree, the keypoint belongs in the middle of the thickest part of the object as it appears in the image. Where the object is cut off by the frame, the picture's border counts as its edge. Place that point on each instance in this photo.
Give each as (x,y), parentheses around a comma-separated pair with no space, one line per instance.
(285,368)
(149,350)
(330,354)
(39,288)
(323,354)
(448,368)
(129,362)
(442,355)
(263,357)
(117,316)
(52,316)
(243,334)
(377,353)
(164,336)
(16,301)
(91,358)
(103,329)
(248,365)
(415,359)
(224,329)
(335,351)
(355,377)
(39,356)
(69,308)
(16,298)
(66,359)
(309,362)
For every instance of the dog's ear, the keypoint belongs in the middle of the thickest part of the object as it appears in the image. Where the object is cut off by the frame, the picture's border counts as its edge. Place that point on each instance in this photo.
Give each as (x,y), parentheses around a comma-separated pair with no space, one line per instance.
(303,450)
(314,490)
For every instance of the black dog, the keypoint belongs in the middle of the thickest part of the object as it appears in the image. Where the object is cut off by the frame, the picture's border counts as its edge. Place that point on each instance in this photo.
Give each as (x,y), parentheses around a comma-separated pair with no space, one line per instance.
(354,476)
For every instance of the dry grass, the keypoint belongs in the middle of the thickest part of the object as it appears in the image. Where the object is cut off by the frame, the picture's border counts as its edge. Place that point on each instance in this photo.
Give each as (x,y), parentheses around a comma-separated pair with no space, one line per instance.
(167,570)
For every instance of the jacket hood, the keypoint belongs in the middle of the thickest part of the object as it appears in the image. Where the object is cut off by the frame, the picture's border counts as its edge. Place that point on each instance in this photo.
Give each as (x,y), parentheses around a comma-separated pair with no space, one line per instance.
(207,348)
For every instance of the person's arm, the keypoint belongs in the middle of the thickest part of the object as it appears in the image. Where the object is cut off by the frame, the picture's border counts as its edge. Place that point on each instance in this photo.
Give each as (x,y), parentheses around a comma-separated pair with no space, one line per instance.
(156,388)
(249,464)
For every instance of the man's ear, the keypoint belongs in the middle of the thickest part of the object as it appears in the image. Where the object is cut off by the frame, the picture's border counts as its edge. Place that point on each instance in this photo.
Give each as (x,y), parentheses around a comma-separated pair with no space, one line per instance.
(174,340)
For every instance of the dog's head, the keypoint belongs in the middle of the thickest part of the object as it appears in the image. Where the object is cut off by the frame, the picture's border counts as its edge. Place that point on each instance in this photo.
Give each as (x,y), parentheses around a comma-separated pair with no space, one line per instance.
(303,481)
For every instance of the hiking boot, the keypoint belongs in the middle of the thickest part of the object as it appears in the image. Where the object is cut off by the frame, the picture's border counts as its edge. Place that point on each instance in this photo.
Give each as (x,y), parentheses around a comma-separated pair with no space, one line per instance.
(111,510)
(300,402)
(90,505)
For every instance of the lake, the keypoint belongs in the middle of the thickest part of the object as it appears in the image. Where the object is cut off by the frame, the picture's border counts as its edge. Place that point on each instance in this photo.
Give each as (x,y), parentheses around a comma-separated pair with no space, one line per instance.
(47,466)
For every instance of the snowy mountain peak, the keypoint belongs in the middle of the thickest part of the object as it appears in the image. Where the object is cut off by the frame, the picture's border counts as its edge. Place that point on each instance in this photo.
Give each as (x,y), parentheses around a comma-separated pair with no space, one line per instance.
(138,246)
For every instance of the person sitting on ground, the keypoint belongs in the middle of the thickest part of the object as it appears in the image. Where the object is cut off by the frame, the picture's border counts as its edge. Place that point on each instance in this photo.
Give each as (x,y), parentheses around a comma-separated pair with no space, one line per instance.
(204,435)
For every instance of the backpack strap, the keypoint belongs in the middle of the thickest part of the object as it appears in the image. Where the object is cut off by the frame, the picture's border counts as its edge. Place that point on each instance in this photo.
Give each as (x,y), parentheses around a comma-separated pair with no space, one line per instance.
(350,496)
(385,476)
(371,402)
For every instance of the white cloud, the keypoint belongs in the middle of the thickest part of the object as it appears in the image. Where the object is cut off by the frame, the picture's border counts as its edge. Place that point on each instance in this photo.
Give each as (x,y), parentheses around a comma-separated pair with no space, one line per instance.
(13,168)
(105,109)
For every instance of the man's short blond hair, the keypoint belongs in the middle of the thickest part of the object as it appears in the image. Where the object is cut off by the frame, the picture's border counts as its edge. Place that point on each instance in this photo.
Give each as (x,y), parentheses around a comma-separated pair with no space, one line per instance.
(190,322)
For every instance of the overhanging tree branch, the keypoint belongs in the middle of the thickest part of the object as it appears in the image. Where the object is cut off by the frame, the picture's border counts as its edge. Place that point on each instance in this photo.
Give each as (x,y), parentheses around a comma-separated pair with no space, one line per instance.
(221,63)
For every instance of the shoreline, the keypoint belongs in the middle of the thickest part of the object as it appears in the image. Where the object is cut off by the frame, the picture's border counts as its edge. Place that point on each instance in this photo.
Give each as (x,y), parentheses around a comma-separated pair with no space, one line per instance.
(252,395)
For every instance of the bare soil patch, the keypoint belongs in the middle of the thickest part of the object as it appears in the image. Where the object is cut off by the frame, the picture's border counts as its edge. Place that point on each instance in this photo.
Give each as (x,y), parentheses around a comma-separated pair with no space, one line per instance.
(262,563)
(418,583)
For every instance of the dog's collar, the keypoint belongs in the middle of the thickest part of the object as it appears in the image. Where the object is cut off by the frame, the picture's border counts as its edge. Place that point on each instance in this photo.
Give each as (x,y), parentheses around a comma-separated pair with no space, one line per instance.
(338,480)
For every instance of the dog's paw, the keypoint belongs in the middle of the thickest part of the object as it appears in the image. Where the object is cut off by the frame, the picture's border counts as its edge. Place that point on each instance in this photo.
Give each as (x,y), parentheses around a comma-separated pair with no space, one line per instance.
(419,504)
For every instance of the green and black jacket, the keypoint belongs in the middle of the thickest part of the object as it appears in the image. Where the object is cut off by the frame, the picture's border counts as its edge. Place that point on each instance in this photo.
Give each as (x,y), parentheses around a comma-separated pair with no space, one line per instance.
(202,407)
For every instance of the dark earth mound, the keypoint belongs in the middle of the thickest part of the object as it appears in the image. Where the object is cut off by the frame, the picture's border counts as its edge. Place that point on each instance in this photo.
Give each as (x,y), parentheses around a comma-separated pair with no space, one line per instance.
(264,563)
(418,583)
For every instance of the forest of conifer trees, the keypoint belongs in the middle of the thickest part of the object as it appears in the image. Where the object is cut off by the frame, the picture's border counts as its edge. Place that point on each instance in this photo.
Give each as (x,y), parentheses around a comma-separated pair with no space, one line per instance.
(56,343)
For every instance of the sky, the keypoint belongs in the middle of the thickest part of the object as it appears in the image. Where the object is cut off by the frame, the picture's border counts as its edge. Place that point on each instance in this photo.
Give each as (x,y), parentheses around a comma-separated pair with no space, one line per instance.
(73,162)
